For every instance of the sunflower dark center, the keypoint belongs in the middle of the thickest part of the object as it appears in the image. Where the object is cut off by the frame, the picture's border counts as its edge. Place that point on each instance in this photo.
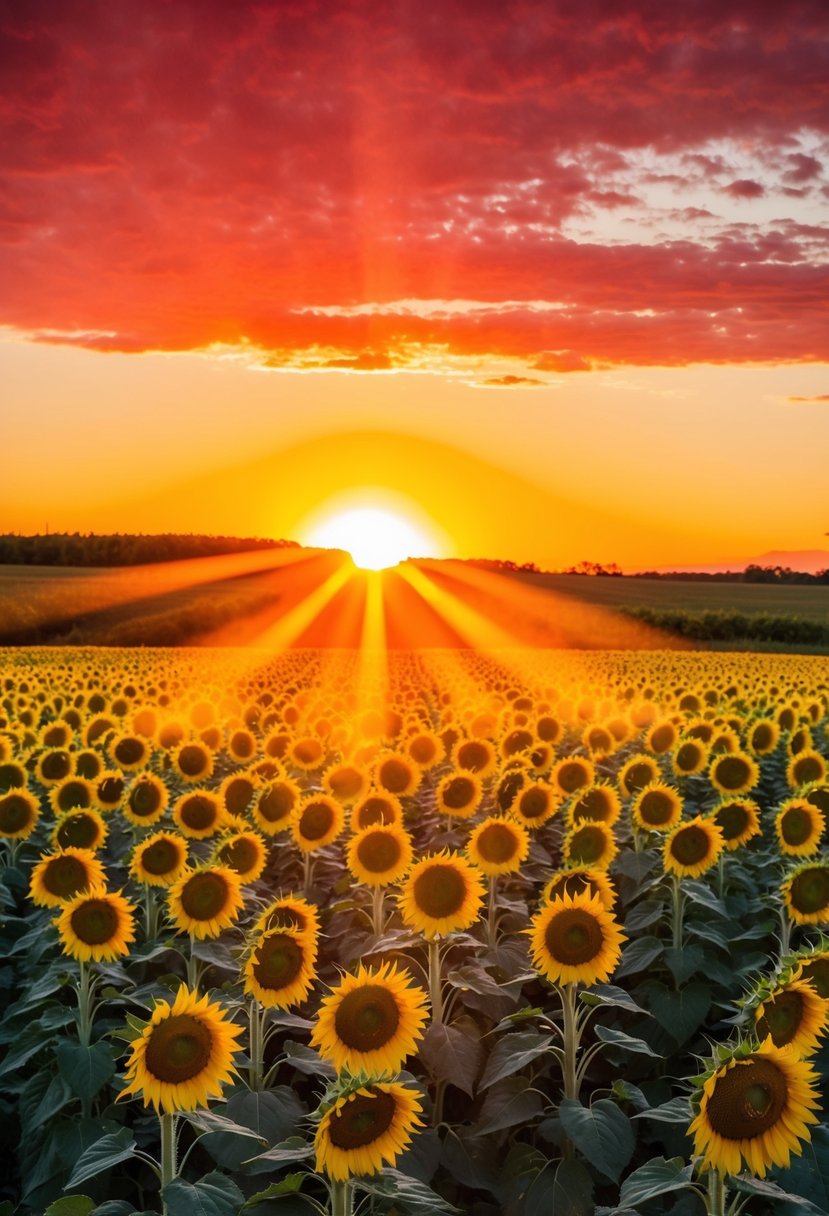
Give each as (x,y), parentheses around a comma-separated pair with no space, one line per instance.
(367,1018)
(73,794)
(395,776)
(732,819)
(242,745)
(574,937)
(747,1100)
(345,782)
(593,804)
(129,751)
(204,896)
(240,854)
(160,857)
(808,768)
(473,756)
(662,738)
(15,813)
(65,876)
(11,775)
(796,825)
(497,843)
(238,795)
(809,891)
(144,798)
(817,972)
(198,813)
(110,790)
(509,788)
(362,1120)
(378,852)
(656,808)
(534,803)
(308,751)
(732,772)
(458,793)
(688,756)
(375,810)
(762,737)
(178,1049)
(316,821)
(439,891)
(56,765)
(277,802)
(423,749)
(587,845)
(78,831)
(95,922)
(277,962)
(88,765)
(192,760)
(572,776)
(285,917)
(782,1018)
(690,845)
(637,777)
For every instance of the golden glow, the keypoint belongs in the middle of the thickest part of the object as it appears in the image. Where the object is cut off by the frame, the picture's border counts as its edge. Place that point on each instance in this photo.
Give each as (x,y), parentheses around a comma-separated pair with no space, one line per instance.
(377,530)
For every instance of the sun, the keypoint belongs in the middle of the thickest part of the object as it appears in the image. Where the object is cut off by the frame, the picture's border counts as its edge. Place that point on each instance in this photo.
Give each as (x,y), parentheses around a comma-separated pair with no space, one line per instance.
(377,535)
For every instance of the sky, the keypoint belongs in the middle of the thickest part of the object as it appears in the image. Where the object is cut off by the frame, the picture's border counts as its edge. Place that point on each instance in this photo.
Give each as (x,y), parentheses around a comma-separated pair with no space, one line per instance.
(551,279)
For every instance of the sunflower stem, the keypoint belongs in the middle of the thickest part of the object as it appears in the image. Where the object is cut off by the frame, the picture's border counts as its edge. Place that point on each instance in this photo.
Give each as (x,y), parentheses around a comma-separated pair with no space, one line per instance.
(342,1198)
(721,875)
(785,932)
(571,1047)
(192,967)
(492,913)
(306,874)
(150,925)
(715,1202)
(256,1047)
(84,1006)
(378,910)
(169,1168)
(435,982)
(678,907)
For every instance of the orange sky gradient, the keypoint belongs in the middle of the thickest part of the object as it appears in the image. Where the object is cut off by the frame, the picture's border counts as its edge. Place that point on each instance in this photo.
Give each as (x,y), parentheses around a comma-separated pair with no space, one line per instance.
(554,281)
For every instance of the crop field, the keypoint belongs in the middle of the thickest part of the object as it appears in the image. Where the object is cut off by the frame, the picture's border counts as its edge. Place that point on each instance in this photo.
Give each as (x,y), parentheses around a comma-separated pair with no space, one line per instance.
(300,933)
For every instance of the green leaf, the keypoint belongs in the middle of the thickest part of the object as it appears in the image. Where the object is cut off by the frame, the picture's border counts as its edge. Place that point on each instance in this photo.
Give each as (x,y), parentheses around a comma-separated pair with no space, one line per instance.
(213,1195)
(639,954)
(85,1069)
(391,1184)
(601,1132)
(289,1152)
(678,1110)
(304,1059)
(273,1114)
(643,914)
(618,1038)
(684,961)
(453,1053)
(561,1189)
(508,1103)
(808,1173)
(609,994)
(71,1205)
(512,1053)
(102,1155)
(658,1177)
(764,1186)
(56,1097)
(681,1013)
(210,1121)
(289,1185)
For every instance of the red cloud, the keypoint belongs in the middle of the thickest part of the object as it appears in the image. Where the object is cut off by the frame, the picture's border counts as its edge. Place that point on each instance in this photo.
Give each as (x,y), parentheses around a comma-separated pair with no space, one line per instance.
(190,173)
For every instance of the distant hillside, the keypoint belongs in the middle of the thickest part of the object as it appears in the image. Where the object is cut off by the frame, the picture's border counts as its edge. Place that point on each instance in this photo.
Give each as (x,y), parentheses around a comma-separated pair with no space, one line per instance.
(122,549)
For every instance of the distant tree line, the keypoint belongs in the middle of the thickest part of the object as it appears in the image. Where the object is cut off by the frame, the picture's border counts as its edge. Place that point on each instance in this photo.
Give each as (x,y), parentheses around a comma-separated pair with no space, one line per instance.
(121,549)
(733,626)
(751,574)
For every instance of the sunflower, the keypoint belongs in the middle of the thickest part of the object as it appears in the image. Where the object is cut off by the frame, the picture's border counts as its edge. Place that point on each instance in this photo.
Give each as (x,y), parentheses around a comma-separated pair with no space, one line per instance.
(815,969)
(205,901)
(280,969)
(97,926)
(793,1015)
(242,746)
(129,753)
(88,764)
(589,844)
(62,875)
(146,801)
(109,788)
(535,803)
(598,740)
(577,880)
(459,794)
(291,912)
(509,786)
(80,830)
(441,893)
(19,813)
(599,802)
(366,1129)
(808,767)
(734,773)
(818,795)
(306,753)
(639,771)
(193,761)
(184,1056)
(661,737)
(71,794)
(378,856)
(575,939)
(316,822)
(690,756)
(799,826)
(754,1108)
(805,892)
(515,742)
(692,848)
(199,814)
(571,774)
(498,846)
(53,766)
(657,807)
(397,773)
(426,749)
(763,737)
(346,782)
(13,776)
(371,1021)
(739,821)
(274,804)
(376,808)
(245,853)
(237,792)
(159,860)
(475,756)
(548,728)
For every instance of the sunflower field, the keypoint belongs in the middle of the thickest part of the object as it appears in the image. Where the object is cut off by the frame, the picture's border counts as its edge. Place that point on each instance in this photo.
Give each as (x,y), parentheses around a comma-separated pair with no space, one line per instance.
(534,933)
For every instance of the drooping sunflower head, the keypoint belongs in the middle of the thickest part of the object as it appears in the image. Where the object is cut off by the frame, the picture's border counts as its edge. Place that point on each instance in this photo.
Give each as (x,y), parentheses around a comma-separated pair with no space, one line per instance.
(184,1056)
(575,939)
(815,969)
(274,805)
(793,1014)
(441,894)
(244,852)
(739,821)
(199,814)
(159,860)
(279,971)
(380,855)
(19,813)
(96,925)
(596,803)
(205,901)
(80,830)
(193,761)
(589,844)
(807,767)
(734,773)
(498,846)
(366,1129)
(371,1021)
(535,803)
(581,880)
(799,826)
(459,794)
(754,1107)
(571,774)
(316,822)
(657,807)
(692,847)
(805,893)
(637,772)
(60,876)
(146,801)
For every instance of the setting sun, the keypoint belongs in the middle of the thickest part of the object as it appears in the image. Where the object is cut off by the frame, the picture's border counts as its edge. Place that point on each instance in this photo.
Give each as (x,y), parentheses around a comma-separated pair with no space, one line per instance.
(375,537)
